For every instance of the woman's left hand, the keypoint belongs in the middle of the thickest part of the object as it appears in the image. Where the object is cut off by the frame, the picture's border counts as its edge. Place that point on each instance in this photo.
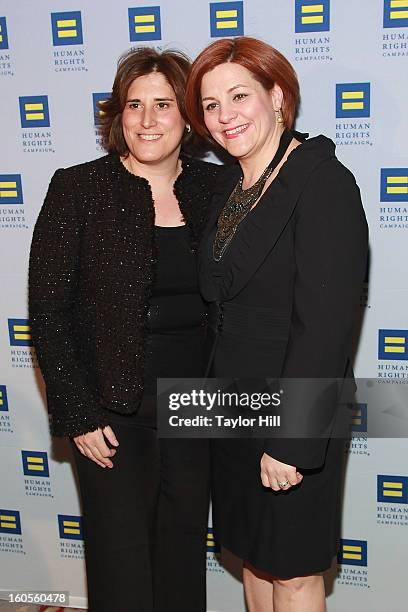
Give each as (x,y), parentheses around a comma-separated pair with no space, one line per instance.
(278,476)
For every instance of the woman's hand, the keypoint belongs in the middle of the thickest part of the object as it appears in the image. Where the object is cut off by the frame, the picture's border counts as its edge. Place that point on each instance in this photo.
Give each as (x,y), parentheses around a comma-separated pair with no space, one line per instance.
(274,472)
(93,445)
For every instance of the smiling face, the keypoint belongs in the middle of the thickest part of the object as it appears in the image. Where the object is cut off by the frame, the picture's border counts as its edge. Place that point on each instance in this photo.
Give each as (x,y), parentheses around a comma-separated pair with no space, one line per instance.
(238,111)
(151,121)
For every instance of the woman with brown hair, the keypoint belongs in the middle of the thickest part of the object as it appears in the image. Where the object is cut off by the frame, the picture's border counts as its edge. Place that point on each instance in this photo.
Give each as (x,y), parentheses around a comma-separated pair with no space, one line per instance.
(282,264)
(114,304)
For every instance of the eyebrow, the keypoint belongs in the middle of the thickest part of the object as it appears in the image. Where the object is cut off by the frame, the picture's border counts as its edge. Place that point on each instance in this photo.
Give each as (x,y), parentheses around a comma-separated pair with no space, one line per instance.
(229,91)
(155,99)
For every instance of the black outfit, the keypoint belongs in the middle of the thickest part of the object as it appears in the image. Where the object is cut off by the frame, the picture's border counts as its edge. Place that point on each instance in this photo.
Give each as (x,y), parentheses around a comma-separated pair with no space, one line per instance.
(92,265)
(144,520)
(283,299)
(176,321)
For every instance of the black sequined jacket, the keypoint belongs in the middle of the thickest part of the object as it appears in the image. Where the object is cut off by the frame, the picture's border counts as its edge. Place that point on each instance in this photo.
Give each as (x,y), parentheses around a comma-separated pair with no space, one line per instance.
(92,265)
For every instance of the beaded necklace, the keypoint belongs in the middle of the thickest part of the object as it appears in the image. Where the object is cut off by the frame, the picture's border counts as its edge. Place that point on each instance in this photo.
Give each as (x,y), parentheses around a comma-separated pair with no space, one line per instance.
(242,200)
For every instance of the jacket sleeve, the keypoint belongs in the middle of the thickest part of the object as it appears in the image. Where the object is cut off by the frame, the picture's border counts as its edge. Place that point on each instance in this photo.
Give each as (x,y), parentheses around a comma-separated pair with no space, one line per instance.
(330,243)
(53,283)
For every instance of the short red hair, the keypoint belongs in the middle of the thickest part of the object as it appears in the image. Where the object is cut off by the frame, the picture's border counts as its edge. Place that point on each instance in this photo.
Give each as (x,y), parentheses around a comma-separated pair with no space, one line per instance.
(266,64)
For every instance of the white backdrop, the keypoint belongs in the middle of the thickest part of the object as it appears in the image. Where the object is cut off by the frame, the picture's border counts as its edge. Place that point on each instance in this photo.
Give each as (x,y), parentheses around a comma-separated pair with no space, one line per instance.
(351,58)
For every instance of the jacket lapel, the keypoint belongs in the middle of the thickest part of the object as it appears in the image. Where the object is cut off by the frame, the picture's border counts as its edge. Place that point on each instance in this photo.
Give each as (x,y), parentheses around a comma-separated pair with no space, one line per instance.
(223,188)
(259,232)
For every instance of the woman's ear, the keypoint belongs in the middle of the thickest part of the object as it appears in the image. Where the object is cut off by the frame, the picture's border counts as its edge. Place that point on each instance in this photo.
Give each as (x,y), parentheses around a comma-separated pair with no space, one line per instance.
(276,94)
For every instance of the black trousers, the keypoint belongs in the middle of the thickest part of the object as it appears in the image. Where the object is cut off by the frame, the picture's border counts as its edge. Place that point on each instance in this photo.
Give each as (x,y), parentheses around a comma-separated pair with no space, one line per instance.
(145,523)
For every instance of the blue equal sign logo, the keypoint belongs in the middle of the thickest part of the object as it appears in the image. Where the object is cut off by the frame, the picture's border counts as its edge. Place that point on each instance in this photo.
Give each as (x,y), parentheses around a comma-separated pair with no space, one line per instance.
(70,527)
(353,552)
(19,332)
(312,16)
(395,13)
(394,185)
(67,28)
(3,399)
(352,100)
(226,19)
(392,344)
(359,418)
(144,23)
(35,463)
(98,100)
(34,111)
(212,546)
(11,190)
(4,44)
(392,489)
(10,521)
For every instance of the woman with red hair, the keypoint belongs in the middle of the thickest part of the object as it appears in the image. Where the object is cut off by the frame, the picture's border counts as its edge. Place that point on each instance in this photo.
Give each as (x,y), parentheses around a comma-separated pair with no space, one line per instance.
(282,264)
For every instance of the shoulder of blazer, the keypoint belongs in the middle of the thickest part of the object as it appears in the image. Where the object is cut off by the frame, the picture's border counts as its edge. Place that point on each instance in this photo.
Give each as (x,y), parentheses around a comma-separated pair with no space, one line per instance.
(195,171)
(193,189)
(101,165)
(102,183)
(198,173)
(106,166)
(332,185)
(318,156)
(107,163)
(228,174)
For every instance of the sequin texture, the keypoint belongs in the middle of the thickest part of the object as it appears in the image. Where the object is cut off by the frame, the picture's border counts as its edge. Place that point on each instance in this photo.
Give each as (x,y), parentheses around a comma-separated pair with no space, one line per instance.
(92,265)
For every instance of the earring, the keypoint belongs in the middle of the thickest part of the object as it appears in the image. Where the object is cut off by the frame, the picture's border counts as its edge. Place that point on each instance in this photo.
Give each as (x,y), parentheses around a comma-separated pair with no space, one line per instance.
(188,128)
(279,116)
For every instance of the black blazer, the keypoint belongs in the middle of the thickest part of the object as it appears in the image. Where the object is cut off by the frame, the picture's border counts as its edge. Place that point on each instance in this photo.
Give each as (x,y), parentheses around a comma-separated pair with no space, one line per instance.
(310,234)
(91,269)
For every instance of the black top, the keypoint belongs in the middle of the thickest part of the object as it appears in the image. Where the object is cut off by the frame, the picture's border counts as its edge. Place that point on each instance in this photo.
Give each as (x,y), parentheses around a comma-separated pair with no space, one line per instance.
(175,322)
(92,265)
(176,313)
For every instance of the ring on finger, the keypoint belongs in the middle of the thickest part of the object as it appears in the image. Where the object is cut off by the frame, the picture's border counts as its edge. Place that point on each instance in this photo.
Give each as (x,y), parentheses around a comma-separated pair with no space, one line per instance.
(284,484)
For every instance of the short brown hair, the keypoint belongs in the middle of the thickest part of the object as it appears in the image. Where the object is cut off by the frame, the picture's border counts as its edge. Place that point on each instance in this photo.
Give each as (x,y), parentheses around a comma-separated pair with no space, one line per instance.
(267,65)
(174,65)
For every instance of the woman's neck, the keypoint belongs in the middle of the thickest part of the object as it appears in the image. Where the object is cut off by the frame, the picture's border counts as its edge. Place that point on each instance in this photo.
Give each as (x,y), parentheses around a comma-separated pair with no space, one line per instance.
(161,173)
(254,165)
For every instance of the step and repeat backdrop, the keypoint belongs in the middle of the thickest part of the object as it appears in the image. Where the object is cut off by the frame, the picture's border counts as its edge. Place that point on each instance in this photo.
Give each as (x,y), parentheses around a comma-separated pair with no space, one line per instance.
(57,59)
